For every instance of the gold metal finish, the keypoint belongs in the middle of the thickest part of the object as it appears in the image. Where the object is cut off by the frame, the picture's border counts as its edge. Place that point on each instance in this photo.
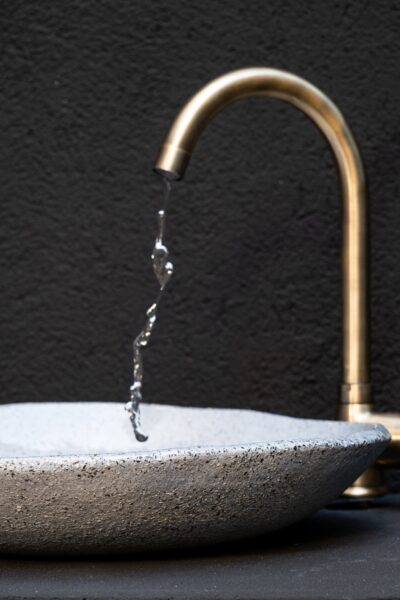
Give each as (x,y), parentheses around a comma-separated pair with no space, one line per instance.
(363,413)
(369,485)
(174,157)
(202,107)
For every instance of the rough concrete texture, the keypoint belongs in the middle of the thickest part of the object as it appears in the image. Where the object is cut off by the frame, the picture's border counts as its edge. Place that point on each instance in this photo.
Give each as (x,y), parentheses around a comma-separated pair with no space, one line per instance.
(252,314)
(301,561)
(75,480)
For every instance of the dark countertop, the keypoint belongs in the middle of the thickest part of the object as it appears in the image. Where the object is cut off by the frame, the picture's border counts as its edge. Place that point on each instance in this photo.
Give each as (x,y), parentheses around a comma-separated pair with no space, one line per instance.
(345,552)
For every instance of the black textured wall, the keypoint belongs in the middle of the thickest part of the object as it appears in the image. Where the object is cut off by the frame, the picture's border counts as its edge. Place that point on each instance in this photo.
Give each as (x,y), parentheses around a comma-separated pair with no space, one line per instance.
(252,314)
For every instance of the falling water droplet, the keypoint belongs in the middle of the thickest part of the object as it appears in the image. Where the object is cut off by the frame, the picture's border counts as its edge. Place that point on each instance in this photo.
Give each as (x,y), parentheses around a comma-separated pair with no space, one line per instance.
(163,269)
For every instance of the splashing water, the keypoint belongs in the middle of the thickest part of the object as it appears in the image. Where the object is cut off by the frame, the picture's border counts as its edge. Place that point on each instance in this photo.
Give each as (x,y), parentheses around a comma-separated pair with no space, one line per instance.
(163,269)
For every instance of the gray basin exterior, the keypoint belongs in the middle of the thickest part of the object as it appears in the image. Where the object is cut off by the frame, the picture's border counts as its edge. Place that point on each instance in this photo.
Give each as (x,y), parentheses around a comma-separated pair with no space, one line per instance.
(73,479)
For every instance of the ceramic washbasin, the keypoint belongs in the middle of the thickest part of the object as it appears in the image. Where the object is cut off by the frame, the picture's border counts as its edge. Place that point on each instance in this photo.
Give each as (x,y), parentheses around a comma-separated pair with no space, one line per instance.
(73,479)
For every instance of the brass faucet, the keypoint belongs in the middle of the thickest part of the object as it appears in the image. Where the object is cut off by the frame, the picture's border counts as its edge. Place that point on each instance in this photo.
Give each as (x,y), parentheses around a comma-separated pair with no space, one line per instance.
(355,398)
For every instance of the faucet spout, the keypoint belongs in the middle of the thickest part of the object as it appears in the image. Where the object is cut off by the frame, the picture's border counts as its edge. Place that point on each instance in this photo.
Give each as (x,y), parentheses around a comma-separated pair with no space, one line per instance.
(174,156)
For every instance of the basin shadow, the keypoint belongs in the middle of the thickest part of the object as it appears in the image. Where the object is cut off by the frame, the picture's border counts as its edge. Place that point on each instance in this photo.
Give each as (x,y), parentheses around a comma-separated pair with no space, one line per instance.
(342,524)
(329,527)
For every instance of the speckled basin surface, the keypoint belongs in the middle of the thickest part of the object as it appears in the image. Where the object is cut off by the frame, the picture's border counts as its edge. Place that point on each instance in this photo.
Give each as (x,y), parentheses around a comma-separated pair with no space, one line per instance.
(73,479)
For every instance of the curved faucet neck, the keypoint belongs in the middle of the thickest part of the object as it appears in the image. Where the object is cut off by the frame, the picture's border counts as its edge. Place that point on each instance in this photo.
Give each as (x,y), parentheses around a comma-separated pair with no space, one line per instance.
(174,156)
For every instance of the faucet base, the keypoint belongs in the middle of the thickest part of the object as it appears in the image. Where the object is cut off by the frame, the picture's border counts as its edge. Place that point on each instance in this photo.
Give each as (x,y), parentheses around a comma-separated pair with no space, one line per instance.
(369,485)
(363,413)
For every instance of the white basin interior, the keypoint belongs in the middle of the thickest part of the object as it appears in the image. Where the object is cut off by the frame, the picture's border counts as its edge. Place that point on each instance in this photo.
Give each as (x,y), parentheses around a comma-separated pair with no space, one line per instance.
(82,428)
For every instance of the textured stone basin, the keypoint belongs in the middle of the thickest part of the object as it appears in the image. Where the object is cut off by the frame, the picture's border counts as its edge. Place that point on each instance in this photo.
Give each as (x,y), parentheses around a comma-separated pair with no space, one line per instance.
(73,479)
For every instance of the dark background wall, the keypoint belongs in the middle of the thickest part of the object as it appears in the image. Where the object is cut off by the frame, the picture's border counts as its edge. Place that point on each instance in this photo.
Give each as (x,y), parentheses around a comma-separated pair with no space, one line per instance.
(252,314)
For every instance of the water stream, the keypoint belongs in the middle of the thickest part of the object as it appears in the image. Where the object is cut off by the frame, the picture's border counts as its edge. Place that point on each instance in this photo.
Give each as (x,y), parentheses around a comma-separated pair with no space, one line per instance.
(163,269)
